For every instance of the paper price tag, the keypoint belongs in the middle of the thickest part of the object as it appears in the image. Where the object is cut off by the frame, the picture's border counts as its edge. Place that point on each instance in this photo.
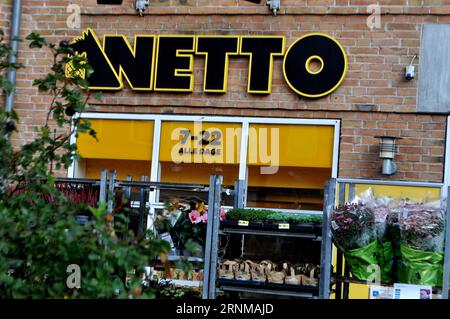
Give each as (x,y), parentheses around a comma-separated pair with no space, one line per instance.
(243,223)
(283,226)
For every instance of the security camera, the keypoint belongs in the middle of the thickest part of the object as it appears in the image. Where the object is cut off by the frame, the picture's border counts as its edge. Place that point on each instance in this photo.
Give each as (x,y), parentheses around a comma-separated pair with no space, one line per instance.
(410,70)
(409,74)
(141,5)
(274,6)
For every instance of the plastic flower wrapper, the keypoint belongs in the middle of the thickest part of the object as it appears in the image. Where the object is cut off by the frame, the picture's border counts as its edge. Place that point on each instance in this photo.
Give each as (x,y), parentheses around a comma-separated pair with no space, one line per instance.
(393,222)
(174,211)
(384,215)
(381,210)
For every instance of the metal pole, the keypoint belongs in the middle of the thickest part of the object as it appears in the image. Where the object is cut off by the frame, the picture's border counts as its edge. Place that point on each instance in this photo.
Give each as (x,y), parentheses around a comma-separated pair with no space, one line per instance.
(446,276)
(351,196)
(103,185)
(215,236)
(209,232)
(142,202)
(126,197)
(351,192)
(327,244)
(111,195)
(339,263)
(339,256)
(127,189)
(239,187)
(388,182)
(12,58)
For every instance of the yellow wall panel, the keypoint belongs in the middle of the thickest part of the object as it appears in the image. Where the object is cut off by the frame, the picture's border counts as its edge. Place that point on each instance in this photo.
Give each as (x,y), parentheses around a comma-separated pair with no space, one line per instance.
(118,139)
(419,194)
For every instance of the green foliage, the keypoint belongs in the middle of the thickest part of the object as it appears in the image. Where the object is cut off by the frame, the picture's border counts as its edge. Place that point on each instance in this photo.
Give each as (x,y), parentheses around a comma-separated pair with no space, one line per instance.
(271,216)
(40,240)
(256,215)
(295,219)
(36,41)
(5,52)
(39,233)
(169,291)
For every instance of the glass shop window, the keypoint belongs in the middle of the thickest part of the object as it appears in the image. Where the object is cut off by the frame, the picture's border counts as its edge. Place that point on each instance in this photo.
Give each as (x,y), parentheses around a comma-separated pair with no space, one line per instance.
(192,151)
(288,165)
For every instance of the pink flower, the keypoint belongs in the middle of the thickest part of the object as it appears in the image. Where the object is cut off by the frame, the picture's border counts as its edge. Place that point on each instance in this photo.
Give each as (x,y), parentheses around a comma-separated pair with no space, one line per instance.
(194,216)
(205,218)
(223,214)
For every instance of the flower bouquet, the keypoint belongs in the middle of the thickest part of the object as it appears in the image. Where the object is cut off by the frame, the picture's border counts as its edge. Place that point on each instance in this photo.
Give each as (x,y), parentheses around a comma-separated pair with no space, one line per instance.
(383,215)
(185,223)
(353,229)
(421,244)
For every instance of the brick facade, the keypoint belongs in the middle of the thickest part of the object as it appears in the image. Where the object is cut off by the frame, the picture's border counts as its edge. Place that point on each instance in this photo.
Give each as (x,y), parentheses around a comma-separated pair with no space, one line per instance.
(376,70)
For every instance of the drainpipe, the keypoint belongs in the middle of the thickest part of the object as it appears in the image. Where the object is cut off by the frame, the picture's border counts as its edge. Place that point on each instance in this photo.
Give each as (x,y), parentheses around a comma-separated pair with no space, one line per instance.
(14,43)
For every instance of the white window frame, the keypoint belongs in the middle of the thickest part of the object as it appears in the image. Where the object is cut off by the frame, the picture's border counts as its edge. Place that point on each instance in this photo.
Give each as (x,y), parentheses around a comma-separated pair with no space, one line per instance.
(244,121)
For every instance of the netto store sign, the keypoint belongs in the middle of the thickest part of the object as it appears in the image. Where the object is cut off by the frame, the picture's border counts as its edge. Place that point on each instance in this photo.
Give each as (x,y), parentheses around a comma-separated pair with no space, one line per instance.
(164,63)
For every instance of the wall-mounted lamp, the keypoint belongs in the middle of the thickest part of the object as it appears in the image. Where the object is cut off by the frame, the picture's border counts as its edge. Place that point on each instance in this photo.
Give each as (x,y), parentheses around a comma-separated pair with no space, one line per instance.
(388,148)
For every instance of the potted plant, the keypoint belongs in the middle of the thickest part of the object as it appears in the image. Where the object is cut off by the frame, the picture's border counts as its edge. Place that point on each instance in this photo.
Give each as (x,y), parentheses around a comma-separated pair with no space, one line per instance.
(249,218)
(293,222)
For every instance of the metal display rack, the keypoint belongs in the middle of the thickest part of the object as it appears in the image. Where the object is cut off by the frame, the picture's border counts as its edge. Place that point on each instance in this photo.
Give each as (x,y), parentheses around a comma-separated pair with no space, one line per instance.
(211,259)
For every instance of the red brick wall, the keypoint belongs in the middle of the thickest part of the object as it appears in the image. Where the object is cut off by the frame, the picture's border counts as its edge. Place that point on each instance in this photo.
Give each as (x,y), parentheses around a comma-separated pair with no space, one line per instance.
(5,13)
(376,70)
